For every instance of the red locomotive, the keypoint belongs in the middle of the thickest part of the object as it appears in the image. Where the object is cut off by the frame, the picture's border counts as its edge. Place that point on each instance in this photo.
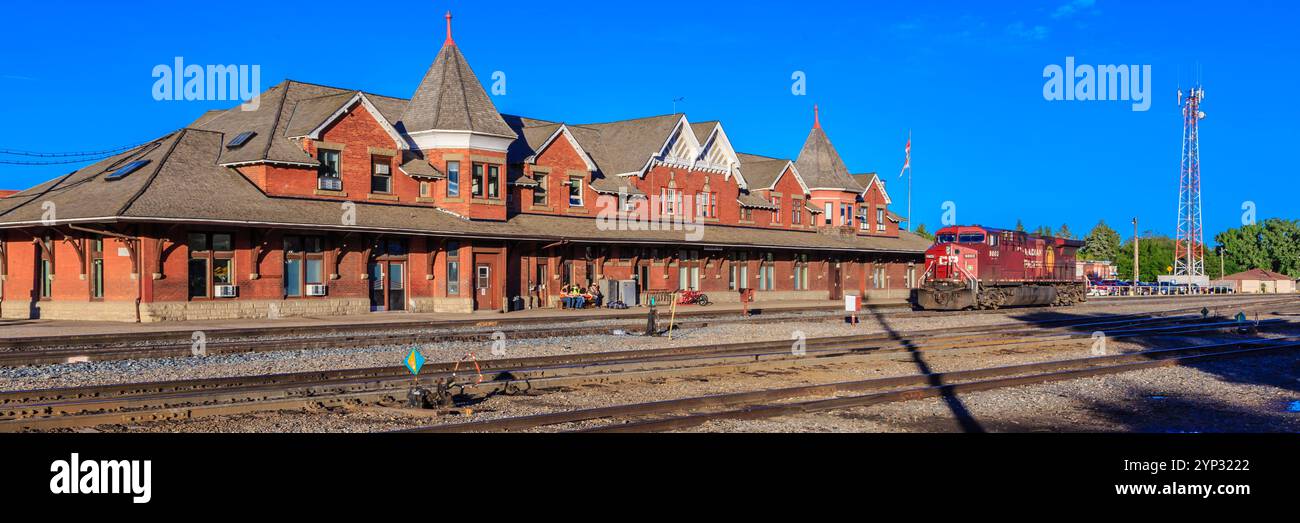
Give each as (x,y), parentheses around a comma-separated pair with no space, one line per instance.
(983,268)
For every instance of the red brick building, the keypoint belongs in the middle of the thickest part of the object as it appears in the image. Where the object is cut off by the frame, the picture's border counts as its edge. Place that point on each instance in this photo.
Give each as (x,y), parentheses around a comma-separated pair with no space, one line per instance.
(332,201)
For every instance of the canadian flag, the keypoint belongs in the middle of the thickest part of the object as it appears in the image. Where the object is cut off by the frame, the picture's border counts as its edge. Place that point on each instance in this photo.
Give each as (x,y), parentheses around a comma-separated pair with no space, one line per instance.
(908,163)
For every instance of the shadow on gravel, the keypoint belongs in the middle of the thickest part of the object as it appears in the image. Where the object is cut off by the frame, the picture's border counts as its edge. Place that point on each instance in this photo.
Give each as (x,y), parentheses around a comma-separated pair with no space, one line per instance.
(1145,408)
(959,411)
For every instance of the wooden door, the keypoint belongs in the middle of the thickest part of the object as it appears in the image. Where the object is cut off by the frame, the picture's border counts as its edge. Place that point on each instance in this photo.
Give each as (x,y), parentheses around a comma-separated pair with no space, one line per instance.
(485,296)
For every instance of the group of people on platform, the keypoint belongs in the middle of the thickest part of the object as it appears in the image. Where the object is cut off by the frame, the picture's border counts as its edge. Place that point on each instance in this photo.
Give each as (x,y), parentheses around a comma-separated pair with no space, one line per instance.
(574,297)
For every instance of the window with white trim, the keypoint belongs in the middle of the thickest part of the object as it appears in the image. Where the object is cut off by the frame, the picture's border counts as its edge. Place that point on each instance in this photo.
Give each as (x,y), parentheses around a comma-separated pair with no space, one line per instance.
(381,175)
(539,192)
(575,191)
(453,179)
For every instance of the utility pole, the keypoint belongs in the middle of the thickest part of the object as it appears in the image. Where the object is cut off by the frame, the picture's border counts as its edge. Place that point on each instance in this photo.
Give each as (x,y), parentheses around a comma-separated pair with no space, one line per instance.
(1137,271)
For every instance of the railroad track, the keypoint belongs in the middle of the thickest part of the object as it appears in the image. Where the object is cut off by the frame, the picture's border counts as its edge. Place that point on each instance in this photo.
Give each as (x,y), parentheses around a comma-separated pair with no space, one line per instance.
(127,404)
(681,414)
(343,329)
(87,348)
(343,339)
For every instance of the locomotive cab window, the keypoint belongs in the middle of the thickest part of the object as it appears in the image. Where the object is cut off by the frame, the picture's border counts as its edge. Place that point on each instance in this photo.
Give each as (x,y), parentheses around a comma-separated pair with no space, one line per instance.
(971,238)
(947,238)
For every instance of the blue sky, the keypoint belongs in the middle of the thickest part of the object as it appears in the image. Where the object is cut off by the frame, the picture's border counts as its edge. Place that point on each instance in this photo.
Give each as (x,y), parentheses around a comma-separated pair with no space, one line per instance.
(965,78)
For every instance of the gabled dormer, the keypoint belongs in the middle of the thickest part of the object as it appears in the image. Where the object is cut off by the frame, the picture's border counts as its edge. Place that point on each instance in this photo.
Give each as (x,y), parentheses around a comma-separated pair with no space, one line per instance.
(556,177)
(454,123)
(777,182)
(874,216)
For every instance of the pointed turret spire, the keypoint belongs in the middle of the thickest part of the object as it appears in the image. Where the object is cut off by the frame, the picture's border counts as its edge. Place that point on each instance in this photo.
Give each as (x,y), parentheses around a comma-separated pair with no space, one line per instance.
(449,41)
(819,164)
(450,98)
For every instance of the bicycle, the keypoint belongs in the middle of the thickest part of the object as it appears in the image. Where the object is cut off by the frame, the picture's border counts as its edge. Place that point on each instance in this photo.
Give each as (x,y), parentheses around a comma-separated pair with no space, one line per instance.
(690,297)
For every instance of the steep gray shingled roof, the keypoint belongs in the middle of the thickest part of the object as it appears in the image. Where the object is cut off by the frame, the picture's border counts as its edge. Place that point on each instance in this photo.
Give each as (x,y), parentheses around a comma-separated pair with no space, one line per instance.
(625,146)
(184,182)
(450,98)
(821,166)
(760,171)
(702,130)
(309,114)
(530,133)
(865,179)
(279,116)
(755,201)
(415,164)
(86,193)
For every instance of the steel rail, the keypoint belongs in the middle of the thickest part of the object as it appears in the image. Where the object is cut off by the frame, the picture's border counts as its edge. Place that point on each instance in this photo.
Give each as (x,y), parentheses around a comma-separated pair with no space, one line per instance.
(969,335)
(928,388)
(997,379)
(151,402)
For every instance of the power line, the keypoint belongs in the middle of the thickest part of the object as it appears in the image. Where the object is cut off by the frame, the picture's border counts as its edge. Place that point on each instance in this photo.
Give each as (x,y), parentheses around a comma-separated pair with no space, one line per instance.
(57,162)
(103,153)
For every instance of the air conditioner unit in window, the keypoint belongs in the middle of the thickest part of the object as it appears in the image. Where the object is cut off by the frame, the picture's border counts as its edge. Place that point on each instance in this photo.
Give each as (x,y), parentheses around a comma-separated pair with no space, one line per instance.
(226,291)
(330,183)
(317,290)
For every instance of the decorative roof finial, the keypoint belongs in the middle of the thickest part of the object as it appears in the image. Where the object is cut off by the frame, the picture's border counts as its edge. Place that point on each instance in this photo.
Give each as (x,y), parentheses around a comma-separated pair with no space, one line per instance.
(817,118)
(449,39)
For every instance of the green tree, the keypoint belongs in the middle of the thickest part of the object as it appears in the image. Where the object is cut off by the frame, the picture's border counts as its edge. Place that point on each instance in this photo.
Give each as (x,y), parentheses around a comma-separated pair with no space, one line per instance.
(1102,244)
(1020,225)
(1065,232)
(920,231)
(1273,244)
(1157,256)
(1043,230)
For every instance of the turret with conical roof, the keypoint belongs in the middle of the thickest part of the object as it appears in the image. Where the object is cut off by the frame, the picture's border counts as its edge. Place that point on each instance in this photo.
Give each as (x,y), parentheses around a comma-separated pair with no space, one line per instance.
(450,98)
(454,123)
(820,164)
(832,188)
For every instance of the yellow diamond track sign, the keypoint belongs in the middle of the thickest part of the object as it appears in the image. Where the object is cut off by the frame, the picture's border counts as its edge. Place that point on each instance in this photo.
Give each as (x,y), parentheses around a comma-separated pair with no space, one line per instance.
(414,361)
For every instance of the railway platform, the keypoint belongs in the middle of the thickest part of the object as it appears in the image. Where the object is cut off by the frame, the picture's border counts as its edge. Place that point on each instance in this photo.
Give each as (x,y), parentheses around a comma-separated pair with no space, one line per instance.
(18,329)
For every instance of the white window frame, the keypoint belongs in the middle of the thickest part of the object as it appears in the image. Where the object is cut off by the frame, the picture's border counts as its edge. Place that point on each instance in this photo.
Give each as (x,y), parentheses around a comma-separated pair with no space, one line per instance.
(453,178)
(575,183)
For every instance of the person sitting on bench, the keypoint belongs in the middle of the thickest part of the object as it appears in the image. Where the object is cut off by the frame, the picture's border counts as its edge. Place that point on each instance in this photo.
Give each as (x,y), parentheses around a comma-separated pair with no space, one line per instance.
(576,301)
(566,298)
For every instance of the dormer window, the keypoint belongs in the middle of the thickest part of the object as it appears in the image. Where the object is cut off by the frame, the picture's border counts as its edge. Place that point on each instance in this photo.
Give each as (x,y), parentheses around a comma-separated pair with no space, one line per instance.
(381,175)
(539,193)
(575,191)
(329,176)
